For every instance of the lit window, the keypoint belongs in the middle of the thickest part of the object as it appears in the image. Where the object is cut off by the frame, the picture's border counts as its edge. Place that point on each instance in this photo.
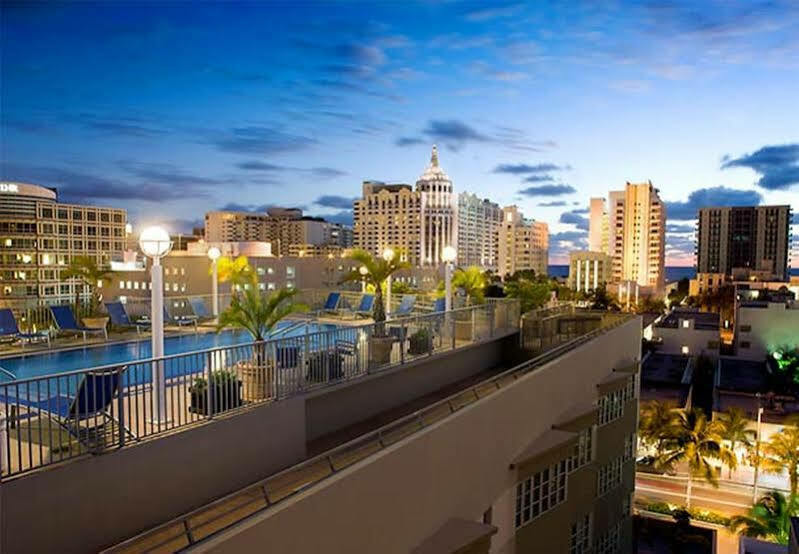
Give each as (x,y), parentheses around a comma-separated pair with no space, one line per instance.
(684,349)
(686,323)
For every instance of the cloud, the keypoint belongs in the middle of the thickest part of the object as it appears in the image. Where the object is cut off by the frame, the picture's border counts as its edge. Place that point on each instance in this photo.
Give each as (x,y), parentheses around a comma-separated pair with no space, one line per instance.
(555,204)
(327,172)
(343,217)
(679,228)
(778,166)
(260,140)
(560,244)
(493,12)
(129,127)
(707,197)
(409,141)
(548,190)
(453,133)
(492,72)
(630,85)
(254,165)
(181,226)
(538,178)
(168,174)
(332,201)
(236,207)
(573,217)
(522,168)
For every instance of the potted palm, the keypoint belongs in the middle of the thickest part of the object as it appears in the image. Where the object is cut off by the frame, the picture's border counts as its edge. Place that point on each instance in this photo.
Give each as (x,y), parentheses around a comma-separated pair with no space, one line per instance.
(420,342)
(225,393)
(85,269)
(258,313)
(375,272)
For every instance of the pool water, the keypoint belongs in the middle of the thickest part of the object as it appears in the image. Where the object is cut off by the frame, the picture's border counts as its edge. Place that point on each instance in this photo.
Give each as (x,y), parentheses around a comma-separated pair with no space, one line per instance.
(52,363)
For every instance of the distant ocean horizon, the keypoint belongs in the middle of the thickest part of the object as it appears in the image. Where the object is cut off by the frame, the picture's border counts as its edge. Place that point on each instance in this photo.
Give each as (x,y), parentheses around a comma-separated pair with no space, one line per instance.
(673,272)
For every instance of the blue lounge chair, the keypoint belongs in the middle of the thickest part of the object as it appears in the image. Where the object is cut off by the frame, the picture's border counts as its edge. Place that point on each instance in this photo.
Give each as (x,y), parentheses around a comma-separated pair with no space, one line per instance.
(366,306)
(10,330)
(440,305)
(199,309)
(66,322)
(92,402)
(331,304)
(119,317)
(406,306)
(180,321)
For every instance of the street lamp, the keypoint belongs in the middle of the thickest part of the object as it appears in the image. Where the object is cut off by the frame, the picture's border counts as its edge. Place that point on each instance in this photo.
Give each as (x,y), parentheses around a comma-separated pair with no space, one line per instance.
(757,448)
(213,255)
(448,255)
(388,255)
(155,243)
(363,271)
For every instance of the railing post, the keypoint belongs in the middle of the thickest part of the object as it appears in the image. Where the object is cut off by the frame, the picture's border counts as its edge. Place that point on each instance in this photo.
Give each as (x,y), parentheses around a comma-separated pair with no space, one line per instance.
(209,405)
(454,323)
(3,441)
(121,406)
(474,324)
(306,360)
(403,330)
(491,314)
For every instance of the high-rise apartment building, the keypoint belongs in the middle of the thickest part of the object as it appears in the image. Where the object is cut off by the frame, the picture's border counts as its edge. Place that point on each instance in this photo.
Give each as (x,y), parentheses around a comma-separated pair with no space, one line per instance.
(479,221)
(756,238)
(523,244)
(598,226)
(418,222)
(39,236)
(636,234)
(282,227)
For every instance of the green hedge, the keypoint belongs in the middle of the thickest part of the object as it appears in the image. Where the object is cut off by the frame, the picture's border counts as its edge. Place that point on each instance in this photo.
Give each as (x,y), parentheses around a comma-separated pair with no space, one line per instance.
(697,514)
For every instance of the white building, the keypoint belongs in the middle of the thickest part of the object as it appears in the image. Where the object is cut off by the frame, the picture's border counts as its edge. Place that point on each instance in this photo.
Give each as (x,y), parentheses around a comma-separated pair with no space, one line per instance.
(438,212)
(523,244)
(479,221)
(688,332)
(588,270)
(761,327)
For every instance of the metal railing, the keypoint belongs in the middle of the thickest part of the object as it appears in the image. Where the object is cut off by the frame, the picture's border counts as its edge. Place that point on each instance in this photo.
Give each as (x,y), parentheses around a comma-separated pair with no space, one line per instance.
(57,417)
(221,514)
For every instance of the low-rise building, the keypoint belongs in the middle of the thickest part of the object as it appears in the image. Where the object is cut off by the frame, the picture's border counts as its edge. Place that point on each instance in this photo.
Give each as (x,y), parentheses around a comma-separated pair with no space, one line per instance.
(589,270)
(763,326)
(688,332)
(667,378)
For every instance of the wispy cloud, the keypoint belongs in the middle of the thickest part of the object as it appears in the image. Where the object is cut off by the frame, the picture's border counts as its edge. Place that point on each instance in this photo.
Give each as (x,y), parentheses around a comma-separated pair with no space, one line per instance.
(523,168)
(409,141)
(548,190)
(333,201)
(494,12)
(573,217)
(778,166)
(554,204)
(453,133)
(713,196)
(260,140)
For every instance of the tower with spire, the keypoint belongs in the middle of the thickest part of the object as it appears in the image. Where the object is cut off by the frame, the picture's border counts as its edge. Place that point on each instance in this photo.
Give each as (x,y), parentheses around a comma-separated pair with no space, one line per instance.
(438,215)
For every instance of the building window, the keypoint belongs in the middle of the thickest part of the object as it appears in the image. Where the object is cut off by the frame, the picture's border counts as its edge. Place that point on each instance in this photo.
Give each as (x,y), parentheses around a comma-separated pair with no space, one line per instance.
(630,445)
(609,476)
(745,344)
(746,328)
(611,405)
(580,542)
(684,349)
(610,542)
(540,493)
(583,450)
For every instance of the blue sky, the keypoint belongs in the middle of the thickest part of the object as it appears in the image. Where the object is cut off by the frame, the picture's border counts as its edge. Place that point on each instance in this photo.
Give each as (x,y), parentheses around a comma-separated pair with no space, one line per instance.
(174,109)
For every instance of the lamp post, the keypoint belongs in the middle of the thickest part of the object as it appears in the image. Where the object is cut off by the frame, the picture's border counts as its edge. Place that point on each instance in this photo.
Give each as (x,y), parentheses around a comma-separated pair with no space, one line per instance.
(448,255)
(155,243)
(213,255)
(388,255)
(757,449)
(363,271)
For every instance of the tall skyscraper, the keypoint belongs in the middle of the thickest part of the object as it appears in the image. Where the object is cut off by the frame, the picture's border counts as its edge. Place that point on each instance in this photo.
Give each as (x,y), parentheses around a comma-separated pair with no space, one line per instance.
(419,223)
(635,227)
(479,221)
(749,237)
(523,244)
(598,226)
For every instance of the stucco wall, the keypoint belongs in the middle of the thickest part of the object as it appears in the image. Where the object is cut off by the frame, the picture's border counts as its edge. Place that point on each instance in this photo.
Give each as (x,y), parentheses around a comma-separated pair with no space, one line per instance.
(458,467)
(85,505)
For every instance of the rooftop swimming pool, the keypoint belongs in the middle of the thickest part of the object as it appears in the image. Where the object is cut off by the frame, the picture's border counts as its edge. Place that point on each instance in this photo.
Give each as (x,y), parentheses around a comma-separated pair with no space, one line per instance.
(61,361)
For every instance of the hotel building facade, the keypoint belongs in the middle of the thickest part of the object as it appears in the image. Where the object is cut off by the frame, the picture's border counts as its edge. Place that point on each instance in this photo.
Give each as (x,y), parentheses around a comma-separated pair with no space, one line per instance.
(754,238)
(418,222)
(479,221)
(523,244)
(39,237)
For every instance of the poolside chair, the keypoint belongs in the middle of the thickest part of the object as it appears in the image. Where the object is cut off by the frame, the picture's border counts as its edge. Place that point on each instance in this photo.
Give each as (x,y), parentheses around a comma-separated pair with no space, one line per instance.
(364,308)
(180,321)
(331,304)
(92,402)
(10,330)
(66,322)
(200,310)
(439,305)
(119,317)
(406,306)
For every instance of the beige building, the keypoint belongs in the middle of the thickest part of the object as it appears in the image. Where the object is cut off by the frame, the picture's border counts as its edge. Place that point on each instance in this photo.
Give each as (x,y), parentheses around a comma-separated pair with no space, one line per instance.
(598,226)
(39,237)
(754,238)
(282,227)
(418,222)
(589,270)
(523,244)
(479,221)
(635,224)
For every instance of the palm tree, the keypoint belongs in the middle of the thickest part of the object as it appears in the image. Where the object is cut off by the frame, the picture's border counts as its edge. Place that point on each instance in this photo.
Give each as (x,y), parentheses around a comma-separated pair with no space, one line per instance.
(86,269)
(531,295)
(655,419)
(238,271)
(734,429)
(782,453)
(695,441)
(769,518)
(472,281)
(378,271)
(257,312)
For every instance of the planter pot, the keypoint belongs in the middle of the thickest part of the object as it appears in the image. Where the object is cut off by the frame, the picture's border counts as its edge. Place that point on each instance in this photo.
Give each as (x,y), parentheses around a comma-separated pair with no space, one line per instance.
(223,398)
(324,366)
(380,350)
(420,345)
(95,322)
(255,380)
